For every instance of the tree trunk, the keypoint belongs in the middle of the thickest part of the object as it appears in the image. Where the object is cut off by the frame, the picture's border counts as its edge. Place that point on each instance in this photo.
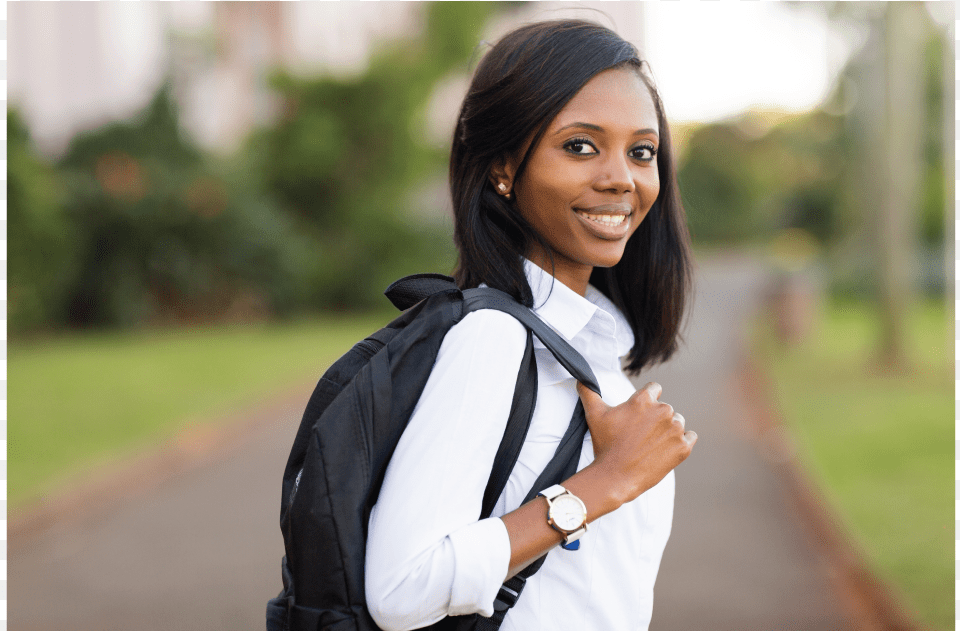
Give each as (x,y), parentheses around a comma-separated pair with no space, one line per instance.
(903,39)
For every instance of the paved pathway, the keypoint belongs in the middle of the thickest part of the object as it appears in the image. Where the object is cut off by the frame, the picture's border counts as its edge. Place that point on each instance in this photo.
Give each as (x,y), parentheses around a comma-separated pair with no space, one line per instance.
(202,550)
(738,557)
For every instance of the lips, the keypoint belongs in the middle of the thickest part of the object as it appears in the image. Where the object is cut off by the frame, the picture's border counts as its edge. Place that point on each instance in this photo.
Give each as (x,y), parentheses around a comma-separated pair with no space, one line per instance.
(607,221)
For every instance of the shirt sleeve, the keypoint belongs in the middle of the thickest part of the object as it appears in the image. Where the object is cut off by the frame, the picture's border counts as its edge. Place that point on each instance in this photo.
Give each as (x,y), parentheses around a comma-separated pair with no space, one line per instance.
(427,554)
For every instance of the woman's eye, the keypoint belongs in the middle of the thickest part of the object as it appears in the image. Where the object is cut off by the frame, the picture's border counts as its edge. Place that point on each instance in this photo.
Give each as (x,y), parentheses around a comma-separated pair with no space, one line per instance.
(645,153)
(578,146)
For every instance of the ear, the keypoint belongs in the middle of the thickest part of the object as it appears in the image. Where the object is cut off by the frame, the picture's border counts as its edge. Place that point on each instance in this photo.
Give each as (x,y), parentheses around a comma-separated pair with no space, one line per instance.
(501,172)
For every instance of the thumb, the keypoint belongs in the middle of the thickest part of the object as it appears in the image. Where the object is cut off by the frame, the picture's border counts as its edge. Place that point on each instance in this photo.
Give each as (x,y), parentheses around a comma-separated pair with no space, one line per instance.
(592,403)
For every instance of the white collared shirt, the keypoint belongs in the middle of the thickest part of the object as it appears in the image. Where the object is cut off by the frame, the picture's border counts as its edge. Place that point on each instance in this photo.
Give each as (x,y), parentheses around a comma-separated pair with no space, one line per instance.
(428,556)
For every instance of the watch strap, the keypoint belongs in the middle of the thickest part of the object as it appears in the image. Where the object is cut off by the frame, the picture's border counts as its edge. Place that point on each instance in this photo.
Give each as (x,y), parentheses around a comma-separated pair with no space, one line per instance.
(572,540)
(552,491)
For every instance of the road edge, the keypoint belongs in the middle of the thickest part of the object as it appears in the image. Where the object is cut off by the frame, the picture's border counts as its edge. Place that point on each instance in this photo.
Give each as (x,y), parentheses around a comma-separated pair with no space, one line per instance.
(873,603)
(108,486)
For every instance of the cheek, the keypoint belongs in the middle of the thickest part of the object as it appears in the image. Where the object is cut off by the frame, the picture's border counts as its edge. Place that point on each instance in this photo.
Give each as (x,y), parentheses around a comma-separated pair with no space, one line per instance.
(649,189)
(541,202)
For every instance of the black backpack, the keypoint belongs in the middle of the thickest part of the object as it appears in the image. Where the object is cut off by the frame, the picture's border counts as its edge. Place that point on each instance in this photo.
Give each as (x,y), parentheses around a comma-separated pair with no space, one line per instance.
(351,425)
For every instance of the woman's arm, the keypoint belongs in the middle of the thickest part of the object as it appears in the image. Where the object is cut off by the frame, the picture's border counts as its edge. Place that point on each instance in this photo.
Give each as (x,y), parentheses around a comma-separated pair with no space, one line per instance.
(635,445)
(427,555)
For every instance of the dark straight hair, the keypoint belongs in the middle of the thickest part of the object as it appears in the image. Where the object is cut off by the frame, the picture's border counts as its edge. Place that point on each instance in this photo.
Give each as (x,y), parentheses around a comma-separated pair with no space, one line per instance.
(519,87)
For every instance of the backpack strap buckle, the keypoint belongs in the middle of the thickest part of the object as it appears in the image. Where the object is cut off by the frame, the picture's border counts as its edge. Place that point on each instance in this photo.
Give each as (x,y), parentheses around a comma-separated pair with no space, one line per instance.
(509,593)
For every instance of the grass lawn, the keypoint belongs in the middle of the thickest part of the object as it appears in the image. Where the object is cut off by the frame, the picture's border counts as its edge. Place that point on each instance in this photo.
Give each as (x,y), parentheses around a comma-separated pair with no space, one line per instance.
(77,401)
(881,445)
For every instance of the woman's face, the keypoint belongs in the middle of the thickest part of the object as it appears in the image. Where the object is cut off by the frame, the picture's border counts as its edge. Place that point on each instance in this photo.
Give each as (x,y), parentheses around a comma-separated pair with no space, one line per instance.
(593,176)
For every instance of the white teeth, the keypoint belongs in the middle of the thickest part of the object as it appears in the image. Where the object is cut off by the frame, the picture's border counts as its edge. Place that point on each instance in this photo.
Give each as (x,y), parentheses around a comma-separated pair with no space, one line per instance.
(606,220)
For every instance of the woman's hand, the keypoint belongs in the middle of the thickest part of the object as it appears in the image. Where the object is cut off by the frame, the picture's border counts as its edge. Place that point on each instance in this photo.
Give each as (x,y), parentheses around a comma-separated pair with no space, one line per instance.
(636,443)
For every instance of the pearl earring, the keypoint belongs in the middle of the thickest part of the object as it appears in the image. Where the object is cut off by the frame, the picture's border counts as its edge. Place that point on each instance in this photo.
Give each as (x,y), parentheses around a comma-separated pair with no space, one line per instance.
(502,187)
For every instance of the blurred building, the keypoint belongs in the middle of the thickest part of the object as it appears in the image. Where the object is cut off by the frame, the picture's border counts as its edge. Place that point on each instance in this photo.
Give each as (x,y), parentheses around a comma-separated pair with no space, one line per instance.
(76,66)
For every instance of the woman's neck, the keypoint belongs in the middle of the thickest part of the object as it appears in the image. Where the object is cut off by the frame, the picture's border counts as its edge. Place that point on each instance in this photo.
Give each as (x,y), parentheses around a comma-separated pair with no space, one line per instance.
(576,276)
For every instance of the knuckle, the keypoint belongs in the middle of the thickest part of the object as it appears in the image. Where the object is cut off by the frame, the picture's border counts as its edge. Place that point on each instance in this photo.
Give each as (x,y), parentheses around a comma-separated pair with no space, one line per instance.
(664,414)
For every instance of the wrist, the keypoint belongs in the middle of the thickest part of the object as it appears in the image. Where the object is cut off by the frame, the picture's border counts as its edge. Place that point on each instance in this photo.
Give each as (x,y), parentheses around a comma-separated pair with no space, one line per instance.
(595,489)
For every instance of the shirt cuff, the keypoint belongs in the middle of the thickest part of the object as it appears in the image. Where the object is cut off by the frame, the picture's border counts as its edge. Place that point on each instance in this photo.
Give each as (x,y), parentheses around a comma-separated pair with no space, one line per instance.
(482,556)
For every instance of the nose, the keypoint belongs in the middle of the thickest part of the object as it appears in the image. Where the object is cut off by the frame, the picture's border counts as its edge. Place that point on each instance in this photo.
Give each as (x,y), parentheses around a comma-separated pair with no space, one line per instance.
(616,175)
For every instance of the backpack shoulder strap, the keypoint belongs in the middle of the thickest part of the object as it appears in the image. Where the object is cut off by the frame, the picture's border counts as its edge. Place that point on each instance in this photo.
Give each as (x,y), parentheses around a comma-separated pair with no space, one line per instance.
(569,358)
(410,290)
(567,456)
(518,424)
(563,465)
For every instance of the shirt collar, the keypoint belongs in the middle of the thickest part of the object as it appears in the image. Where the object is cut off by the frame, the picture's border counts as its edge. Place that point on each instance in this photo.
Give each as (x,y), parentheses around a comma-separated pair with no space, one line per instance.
(622,330)
(559,306)
(570,314)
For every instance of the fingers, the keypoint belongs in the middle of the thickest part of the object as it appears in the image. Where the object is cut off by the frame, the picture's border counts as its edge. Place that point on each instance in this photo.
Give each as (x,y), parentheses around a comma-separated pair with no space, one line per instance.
(592,403)
(679,419)
(688,437)
(654,389)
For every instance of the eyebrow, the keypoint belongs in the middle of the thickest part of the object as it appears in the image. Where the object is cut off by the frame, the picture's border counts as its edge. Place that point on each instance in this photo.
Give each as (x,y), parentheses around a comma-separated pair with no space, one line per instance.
(592,127)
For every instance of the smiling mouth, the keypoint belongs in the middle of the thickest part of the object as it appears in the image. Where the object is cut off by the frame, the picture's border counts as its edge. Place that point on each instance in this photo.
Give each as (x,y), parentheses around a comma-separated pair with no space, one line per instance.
(604,220)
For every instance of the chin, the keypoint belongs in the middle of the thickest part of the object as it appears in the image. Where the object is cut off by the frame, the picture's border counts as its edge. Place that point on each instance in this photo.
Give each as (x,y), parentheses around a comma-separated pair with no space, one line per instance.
(608,259)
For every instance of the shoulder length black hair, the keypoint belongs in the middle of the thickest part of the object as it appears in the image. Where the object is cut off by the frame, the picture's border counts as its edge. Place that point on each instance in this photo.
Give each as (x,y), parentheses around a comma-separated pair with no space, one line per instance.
(519,87)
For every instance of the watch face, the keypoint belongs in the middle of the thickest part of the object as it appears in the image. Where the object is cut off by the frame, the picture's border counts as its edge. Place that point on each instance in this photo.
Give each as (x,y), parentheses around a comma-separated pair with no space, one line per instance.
(568,512)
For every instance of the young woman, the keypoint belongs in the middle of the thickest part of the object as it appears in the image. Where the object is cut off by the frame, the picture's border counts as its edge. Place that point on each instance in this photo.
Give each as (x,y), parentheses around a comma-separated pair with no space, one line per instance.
(565,197)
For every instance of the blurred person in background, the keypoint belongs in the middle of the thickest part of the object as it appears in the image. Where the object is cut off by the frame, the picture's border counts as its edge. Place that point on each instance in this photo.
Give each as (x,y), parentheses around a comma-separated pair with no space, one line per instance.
(565,197)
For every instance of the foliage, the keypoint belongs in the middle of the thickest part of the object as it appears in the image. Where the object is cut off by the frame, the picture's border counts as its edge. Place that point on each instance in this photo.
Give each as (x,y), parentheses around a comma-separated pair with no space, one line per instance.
(161,235)
(41,255)
(934,176)
(747,178)
(87,399)
(135,224)
(874,442)
(346,153)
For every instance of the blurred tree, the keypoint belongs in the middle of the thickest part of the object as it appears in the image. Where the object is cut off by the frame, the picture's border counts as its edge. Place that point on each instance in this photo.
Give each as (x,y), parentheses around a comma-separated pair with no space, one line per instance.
(895,124)
(937,61)
(744,179)
(865,173)
(135,224)
(905,38)
(161,235)
(347,154)
(42,254)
